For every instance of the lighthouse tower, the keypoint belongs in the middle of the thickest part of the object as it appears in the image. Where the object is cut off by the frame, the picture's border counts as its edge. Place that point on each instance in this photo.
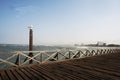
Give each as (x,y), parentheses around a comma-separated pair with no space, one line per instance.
(30,38)
(30,42)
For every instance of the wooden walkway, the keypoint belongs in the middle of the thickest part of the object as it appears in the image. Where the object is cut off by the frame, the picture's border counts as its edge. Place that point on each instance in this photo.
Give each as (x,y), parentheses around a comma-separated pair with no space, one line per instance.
(103,67)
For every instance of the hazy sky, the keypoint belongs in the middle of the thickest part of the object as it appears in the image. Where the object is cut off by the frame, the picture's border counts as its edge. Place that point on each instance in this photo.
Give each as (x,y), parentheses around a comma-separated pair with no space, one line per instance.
(60,21)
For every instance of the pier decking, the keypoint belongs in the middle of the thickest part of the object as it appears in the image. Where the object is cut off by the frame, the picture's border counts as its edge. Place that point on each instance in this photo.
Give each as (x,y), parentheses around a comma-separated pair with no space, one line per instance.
(101,67)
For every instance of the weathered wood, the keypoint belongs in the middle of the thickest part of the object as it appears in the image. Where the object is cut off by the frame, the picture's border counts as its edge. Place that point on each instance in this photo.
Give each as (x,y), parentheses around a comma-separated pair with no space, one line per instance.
(10,75)
(22,74)
(63,69)
(10,57)
(32,77)
(60,71)
(96,72)
(8,62)
(29,58)
(37,76)
(41,76)
(16,74)
(45,73)
(4,76)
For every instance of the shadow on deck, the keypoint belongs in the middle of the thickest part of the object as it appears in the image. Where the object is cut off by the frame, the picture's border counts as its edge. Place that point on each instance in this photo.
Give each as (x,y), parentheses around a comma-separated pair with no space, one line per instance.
(103,67)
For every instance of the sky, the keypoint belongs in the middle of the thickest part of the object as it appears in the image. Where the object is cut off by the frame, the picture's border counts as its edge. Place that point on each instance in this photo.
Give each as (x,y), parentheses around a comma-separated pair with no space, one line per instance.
(57,22)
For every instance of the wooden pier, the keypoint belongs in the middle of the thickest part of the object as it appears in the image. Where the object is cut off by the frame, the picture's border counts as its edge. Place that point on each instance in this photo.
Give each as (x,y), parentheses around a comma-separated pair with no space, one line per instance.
(99,67)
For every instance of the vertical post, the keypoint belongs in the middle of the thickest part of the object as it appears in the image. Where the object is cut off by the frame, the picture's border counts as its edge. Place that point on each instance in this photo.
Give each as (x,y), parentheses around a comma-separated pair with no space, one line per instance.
(57,55)
(69,54)
(30,43)
(41,57)
(18,60)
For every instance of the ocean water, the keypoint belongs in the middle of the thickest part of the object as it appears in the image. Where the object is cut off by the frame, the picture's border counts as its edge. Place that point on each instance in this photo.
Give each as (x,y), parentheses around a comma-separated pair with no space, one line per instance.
(5,48)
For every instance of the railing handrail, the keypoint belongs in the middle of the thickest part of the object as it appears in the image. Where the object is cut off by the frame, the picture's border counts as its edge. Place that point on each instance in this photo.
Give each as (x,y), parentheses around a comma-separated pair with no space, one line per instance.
(53,55)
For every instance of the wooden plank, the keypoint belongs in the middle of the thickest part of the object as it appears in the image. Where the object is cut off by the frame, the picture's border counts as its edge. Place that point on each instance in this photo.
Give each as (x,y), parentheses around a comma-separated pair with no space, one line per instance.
(34,74)
(93,72)
(106,72)
(87,64)
(51,72)
(4,76)
(10,75)
(66,75)
(16,74)
(22,74)
(99,65)
(45,74)
(32,77)
(41,76)
(62,71)
(76,72)
(44,77)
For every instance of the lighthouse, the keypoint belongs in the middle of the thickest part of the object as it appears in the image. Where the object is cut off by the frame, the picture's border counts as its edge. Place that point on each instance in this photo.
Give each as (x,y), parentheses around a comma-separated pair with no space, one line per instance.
(30,42)
(30,38)
(30,47)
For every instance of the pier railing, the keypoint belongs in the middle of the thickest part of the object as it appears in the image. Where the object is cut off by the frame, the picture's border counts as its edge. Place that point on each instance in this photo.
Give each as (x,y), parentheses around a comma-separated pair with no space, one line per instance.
(20,58)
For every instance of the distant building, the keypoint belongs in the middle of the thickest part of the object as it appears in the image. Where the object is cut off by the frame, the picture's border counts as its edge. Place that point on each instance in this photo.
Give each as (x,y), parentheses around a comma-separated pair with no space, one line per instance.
(76,45)
(101,44)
